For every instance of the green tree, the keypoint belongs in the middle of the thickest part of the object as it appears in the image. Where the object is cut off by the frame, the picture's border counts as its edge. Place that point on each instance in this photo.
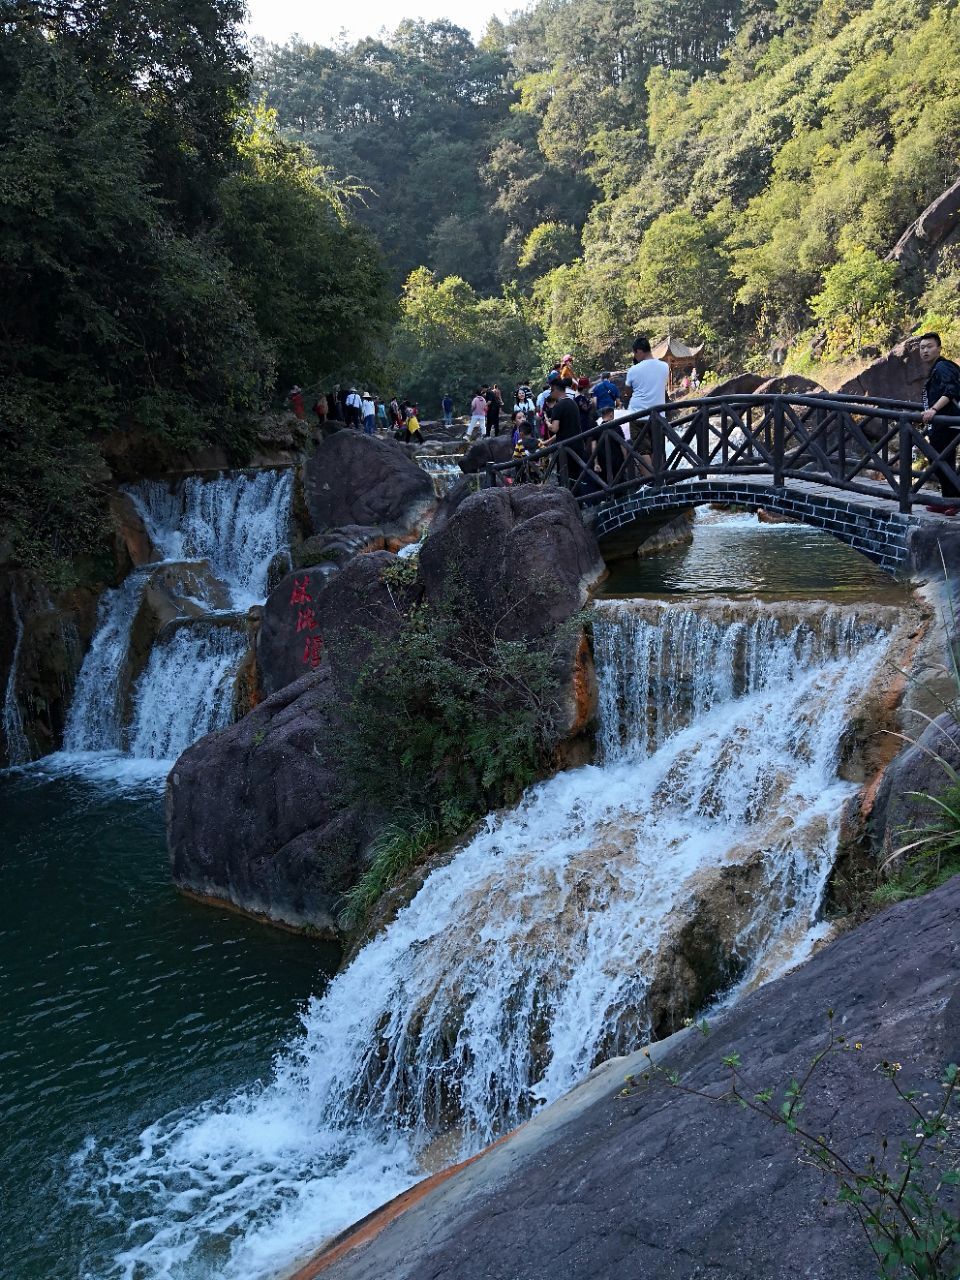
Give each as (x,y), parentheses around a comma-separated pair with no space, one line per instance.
(858,301)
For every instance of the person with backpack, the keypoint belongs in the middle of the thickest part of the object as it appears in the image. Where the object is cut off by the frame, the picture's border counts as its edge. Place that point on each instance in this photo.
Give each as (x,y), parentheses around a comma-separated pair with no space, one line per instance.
(941,399)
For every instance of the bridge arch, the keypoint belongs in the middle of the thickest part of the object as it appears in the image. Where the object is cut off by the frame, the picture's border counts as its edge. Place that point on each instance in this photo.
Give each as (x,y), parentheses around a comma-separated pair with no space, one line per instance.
(882,535)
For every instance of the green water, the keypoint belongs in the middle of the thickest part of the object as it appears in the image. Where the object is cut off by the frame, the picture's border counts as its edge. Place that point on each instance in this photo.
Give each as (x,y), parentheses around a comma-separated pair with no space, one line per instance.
(121,1002)
(735,555)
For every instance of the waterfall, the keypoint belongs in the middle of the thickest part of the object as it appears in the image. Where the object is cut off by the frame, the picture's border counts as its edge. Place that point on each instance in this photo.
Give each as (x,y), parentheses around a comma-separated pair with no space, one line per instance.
(186,689)
(95,720)
(443,469)
(18,749)
(536,951)
(239,522)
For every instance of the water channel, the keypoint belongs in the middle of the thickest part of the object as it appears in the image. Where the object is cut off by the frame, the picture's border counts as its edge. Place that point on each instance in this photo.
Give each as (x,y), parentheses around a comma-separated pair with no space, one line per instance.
(177,1099)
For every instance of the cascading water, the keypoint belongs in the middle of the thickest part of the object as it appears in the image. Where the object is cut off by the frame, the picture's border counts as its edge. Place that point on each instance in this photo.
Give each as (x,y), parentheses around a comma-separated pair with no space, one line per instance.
(237,525)
(534,953)
(18,749)
(238,522)
(95,720)
(186,689)
(443,469)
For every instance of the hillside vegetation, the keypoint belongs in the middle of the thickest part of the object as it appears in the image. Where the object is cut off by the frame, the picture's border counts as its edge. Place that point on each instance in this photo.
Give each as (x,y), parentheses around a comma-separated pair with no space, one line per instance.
(167,260)
(735,171)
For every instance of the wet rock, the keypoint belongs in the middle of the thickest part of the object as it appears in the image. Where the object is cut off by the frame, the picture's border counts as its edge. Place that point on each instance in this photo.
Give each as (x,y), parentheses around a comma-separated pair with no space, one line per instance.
(352,479)
(276,843)
(131,532)
(337,546)
(173,590)
(520,558)
(290,639)
(676,533)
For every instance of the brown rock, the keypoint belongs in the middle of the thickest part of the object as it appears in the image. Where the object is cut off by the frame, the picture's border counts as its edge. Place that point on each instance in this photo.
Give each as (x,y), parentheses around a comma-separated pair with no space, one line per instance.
(899,375)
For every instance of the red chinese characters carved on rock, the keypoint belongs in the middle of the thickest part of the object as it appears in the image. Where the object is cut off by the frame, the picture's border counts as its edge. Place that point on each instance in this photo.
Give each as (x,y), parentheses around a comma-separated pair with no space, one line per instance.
(313,651)
(306,621)
(299,593)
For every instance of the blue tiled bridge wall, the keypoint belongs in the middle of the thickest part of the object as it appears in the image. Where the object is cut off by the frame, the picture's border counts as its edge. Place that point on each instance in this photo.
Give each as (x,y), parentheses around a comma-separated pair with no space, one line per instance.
(878,534)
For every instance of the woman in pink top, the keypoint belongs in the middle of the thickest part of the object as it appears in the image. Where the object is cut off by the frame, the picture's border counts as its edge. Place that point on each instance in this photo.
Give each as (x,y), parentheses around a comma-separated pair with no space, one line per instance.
(478,416)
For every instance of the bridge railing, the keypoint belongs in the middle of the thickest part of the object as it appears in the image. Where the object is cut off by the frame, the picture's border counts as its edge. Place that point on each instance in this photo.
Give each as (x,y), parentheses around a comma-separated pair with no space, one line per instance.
(877,448)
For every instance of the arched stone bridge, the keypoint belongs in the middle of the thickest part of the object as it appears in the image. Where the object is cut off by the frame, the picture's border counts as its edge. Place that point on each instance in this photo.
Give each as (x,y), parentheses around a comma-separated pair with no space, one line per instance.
(861,469)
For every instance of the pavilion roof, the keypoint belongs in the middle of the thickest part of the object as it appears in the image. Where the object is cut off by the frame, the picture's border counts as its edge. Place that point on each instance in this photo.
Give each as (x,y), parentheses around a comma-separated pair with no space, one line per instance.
(671,346)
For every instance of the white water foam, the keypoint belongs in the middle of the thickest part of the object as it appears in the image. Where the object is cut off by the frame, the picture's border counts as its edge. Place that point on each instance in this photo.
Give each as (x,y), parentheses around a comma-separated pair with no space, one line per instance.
(95,719)
(520,964)
(186,689)
(240,522)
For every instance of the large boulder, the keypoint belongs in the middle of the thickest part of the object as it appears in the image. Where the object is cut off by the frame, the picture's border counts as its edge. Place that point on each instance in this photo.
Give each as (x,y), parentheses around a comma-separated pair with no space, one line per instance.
(290,640)
(324,612)
(665,1183)
(520,558)
(187,589)
(741,384)
(789,384)
(254,816)
(899,375)
(489,449)
(352,479)
(336,546)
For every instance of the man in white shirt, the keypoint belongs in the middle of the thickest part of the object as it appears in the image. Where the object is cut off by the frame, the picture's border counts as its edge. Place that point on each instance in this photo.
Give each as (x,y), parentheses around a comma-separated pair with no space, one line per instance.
(354,408)
(646,381)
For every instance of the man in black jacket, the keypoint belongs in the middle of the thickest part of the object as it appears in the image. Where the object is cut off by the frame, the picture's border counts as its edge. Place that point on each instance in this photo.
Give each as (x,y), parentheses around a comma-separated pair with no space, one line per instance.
(941,399)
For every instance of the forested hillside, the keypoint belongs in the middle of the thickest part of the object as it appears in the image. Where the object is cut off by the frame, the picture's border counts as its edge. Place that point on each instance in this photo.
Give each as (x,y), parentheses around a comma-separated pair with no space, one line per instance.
(167,260)
(737,170)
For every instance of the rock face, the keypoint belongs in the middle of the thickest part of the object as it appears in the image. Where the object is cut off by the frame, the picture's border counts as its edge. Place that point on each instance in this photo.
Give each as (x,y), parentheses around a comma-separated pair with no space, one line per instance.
(253,816)
(664,1185)
(54,634)
(938,221)
(489,449)
(182,590)
(352,479)
(518,557)
(324,612)
(290,640)
(896,812)
(899,375)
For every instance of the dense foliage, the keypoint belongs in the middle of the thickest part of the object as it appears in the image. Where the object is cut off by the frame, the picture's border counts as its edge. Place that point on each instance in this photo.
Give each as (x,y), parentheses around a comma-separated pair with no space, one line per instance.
(164,255)
(737,170)
(448,721)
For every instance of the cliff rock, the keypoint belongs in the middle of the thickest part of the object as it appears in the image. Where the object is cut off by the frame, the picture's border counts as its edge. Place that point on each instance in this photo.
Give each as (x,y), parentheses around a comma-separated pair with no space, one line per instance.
(899,375)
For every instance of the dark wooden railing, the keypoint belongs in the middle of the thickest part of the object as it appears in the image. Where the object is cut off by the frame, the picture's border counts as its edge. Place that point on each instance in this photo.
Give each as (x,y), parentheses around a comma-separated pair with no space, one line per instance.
(859,445)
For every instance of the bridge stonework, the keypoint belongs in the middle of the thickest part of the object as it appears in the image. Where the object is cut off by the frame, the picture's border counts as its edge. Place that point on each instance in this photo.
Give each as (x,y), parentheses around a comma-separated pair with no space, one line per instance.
(871,526)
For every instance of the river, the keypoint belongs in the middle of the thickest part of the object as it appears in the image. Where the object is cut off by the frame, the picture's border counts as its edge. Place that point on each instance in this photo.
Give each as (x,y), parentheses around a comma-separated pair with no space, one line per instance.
(179,1096)
(123,1001)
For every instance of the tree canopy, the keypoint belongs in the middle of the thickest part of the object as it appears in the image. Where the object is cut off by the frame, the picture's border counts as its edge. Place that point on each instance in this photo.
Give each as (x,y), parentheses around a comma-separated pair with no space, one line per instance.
(729,167)
(165,254)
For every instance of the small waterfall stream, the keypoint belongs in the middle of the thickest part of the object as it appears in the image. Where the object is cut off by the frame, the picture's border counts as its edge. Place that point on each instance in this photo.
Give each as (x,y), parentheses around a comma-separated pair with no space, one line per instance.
(222,535)
(536,951)
(18,749)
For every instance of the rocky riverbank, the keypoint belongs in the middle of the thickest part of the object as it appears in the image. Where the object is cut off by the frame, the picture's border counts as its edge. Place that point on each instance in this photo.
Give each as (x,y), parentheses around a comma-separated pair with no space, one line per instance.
(664,1185)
